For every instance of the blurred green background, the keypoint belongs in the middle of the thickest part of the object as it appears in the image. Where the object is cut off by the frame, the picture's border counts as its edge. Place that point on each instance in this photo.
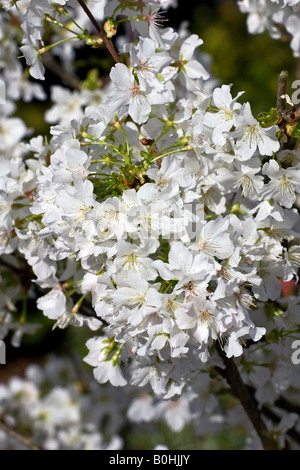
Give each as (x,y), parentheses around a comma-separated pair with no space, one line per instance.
(250,62)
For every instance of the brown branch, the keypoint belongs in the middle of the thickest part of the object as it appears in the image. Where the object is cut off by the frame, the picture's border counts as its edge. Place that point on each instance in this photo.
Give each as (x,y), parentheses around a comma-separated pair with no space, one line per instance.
(108,43)
(267,412)
(292,433)
(284,404)
(282,84)
(18,437)
(51,64)
(239,389)
(287,117)
(298,68)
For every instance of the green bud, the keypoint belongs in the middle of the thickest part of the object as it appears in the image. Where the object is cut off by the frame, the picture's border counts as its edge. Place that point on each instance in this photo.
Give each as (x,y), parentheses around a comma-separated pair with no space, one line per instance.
(183,141)
(92,81)
(110,27)
(269,118)
(94,41)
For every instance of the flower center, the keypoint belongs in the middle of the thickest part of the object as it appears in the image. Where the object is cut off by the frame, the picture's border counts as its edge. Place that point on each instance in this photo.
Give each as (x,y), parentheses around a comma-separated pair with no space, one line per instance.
(135,90)
(287,189)
(206,317)
(251,134)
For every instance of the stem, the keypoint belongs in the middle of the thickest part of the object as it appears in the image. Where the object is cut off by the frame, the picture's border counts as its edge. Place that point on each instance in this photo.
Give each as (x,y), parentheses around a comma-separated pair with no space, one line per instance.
(239,389)
(62,10)
(183,149)
(129,19)
(127,158)
(98,174)
(105,144)
(51,64)
(109,45)
(18,437)
(282,84)
(298,69)
(44,49)
(117,354)
(59,23)
(98,160)
(165,129)
(78,303)
(284,404)
(292,433)
(24,310)
(287,116)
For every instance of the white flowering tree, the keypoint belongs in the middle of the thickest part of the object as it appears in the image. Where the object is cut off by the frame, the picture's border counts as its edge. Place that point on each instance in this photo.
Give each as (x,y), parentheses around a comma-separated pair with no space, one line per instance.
(160,216)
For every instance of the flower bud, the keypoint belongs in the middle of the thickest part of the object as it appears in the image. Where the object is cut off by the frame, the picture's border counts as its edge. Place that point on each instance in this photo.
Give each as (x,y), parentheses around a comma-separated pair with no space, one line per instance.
(110,27)
(94,41)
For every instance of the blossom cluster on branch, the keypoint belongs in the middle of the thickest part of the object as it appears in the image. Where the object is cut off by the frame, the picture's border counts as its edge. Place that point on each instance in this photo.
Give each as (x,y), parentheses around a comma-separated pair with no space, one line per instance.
(279,17)
(160,214)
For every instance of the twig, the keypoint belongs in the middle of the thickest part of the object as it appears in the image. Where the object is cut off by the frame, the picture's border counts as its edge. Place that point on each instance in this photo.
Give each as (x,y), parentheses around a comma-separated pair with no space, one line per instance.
(108,43)
(282,84)
(239,389)
(18,437)
(288,117)
(292,433)
(284,404)
(51,64)
(271,415)
(298,68)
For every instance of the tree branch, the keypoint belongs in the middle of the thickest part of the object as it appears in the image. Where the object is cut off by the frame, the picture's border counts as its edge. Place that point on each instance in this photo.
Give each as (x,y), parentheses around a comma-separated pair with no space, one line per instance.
(288,117)
(281,90)
(239,389)
(284,404)
(18,437)
(292,433)
(298,68)
(51,64)
(108,43)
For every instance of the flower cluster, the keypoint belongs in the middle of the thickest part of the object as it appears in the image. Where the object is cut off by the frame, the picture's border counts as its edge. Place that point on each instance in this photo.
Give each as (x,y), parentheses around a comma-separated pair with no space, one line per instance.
(49,406)
(278,17)
(161,214)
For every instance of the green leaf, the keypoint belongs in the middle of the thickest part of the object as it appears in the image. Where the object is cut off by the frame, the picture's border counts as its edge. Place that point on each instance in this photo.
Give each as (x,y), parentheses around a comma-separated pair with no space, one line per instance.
(269,118)
(91,82)
(294,131)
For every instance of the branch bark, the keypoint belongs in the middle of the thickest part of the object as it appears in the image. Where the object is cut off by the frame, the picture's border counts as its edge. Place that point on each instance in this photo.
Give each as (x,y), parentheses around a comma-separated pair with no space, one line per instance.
(288,117)
(281,90)
(51,64)
(298,68)
(292,433)
(18,437)
(240,391)
(107,42)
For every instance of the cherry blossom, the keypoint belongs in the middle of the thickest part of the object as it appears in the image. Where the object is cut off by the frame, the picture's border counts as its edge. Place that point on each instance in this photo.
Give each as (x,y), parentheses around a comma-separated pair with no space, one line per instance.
(159,215)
